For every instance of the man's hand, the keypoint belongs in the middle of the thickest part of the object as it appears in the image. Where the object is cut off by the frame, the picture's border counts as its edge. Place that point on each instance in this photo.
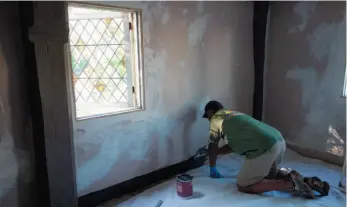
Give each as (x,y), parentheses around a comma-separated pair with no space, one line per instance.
(202,151)
(214,173)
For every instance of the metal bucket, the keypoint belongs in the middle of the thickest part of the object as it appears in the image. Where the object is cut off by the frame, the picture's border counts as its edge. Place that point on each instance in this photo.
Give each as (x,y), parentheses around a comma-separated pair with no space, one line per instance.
(185,186)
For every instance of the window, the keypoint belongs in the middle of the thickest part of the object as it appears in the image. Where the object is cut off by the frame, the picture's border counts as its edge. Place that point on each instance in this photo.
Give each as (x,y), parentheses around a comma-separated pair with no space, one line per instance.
(105,60)
(344,91)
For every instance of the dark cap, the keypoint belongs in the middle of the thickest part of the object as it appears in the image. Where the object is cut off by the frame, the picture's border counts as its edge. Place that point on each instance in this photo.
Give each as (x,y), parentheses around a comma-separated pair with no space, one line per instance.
(212,105)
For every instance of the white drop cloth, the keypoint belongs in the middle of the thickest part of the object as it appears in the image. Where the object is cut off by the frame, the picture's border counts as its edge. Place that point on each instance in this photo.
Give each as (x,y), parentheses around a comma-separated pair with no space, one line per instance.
(223,192)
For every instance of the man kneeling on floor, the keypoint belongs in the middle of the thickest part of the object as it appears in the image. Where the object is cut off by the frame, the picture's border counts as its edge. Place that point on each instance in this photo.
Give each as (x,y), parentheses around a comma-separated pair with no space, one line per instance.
(263,146)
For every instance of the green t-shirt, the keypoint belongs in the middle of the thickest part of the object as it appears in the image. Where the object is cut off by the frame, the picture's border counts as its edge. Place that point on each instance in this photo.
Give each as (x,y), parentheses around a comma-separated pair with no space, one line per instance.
(246,135)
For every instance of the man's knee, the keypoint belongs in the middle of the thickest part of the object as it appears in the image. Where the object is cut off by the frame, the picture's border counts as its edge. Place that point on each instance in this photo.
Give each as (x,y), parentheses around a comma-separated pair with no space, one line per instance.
(245,184)
(242,188)
(273,172)
(245,189)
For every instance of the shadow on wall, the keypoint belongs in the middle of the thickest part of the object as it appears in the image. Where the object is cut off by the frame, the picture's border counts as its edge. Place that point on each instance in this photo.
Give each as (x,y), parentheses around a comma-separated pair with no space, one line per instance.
(187,118)
(16,186)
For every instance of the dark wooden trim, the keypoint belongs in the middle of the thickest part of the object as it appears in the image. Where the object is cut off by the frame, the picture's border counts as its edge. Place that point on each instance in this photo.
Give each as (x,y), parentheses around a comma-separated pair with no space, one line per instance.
(26,11)
(50,33)
(138,183)
(261,9)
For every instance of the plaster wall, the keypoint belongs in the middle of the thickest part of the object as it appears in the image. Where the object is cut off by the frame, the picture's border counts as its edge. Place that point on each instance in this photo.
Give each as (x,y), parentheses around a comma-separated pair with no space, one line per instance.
(16,152)
(305,69)
(193,52)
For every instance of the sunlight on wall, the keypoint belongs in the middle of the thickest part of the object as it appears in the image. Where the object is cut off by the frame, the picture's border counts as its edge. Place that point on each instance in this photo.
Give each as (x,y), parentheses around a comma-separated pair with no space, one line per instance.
(335,144)
(344,92)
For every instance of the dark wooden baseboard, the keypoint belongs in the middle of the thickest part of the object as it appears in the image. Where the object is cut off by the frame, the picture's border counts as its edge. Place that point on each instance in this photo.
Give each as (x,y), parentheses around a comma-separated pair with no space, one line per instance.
(138,183)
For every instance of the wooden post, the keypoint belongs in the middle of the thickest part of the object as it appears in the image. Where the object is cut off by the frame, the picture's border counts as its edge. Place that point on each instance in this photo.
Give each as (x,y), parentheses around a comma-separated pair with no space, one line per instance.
(50,35)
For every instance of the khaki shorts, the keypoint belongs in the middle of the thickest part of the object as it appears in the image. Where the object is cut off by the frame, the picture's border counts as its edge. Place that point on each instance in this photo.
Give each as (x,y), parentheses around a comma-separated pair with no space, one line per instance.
(254,170)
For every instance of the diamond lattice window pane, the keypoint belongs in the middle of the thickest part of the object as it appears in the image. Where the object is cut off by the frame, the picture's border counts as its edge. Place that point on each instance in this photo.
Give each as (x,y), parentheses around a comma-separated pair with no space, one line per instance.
(99,70)
(85,94)
(97,56)
(102,88)
(93,61)
(78,28)
(116,27)
(89,30)
(123,99)
(120,52)
(108,34)
(84,23)
(79,86)
(122,85)
(72,24)
(94,95)
(94,75)
(99,51)
(106,95)
(103,29)
(117,95)
(109,52)
(88,71)
(84,38)
(121,92)
(112,87)
(104,62)
(79,98)
(110,70)
(120,69)
(90,85)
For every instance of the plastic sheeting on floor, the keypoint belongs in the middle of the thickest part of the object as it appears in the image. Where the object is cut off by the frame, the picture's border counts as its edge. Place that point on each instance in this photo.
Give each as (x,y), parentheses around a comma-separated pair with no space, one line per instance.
(223,192)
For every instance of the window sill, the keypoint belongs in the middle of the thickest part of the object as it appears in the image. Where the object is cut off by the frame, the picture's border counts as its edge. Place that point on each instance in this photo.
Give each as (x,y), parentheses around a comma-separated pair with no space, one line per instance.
(121,112)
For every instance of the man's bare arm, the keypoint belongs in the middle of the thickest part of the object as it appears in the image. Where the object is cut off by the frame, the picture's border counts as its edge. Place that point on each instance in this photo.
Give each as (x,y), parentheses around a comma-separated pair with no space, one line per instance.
(224,150)
(212,153)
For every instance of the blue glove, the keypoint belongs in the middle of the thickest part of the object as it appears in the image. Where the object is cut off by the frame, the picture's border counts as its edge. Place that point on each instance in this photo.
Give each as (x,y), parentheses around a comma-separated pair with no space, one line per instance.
(214,173)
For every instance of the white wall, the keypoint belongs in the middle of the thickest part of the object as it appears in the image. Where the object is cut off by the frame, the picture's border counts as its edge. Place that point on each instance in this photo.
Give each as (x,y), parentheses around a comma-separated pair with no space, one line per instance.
(305,74)
(193,52)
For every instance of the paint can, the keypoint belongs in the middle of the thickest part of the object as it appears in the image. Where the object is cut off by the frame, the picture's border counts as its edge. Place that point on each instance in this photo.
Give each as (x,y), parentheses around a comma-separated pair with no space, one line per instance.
(185,186)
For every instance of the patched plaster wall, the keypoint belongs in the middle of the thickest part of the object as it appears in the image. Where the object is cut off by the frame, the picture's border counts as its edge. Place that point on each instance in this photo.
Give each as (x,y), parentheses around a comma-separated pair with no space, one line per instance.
(306,61)
(193,52)
(16,157)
